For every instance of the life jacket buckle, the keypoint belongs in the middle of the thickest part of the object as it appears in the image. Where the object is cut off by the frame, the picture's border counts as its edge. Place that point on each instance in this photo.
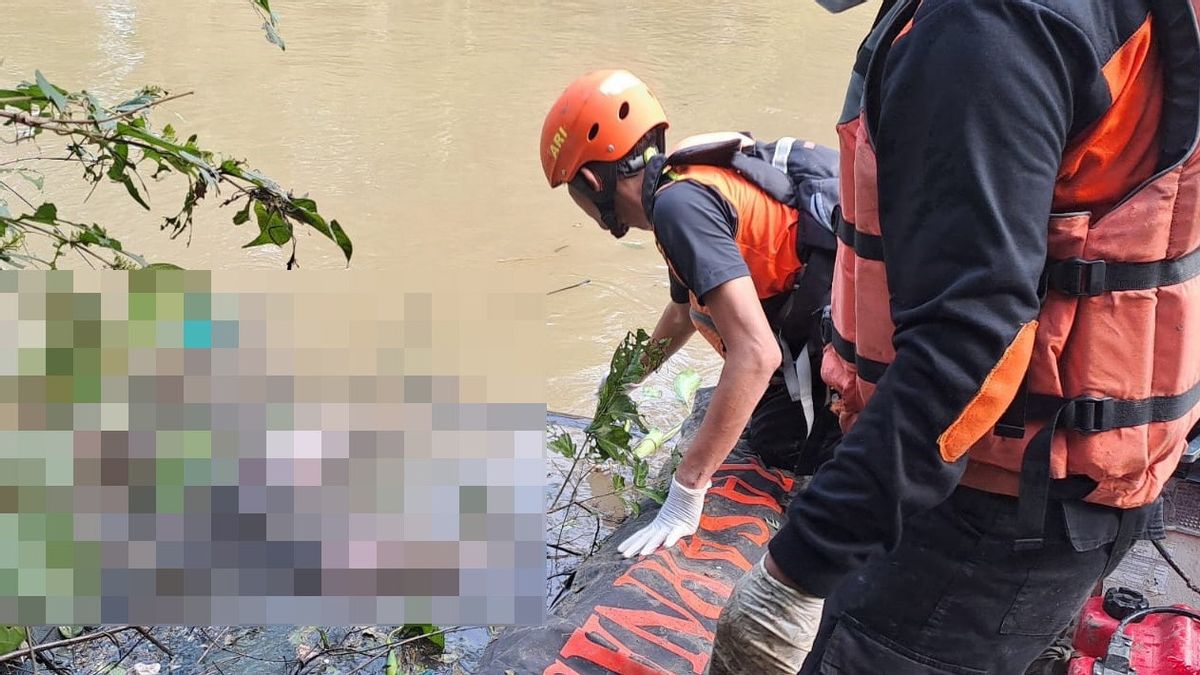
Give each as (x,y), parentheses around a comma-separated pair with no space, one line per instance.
(1090,414)
(1079,277)
(826,325)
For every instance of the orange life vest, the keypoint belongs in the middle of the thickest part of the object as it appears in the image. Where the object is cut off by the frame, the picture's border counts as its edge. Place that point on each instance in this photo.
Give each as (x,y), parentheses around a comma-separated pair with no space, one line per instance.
(1113,380)
(783,204)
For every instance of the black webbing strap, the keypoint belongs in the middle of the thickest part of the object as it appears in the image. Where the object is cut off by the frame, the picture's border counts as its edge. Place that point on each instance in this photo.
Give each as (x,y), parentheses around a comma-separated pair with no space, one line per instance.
(1086,414)
(1125,533)
(1084,278)
(1012,422)
(1034,493)
(866,246)
(1089,414)
(869,370)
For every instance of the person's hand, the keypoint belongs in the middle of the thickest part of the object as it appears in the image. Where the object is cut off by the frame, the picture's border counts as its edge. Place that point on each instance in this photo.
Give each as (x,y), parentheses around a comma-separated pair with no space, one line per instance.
(767,627)
(678,517)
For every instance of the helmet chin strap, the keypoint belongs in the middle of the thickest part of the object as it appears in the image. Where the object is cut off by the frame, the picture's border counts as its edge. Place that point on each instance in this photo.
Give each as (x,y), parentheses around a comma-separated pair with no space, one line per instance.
(651,183)
(610,222)
(605,198)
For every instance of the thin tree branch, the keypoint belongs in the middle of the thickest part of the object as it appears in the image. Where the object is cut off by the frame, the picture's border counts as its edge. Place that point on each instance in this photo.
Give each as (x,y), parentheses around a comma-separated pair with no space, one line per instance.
(146,634)
(20,196)
(62,643)
(129,648)
(38,159)
(391,645)
(126,114)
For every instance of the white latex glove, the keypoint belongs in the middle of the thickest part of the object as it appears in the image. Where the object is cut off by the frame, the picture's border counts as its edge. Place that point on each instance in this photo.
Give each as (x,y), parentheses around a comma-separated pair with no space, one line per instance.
(766,627)
(678,517)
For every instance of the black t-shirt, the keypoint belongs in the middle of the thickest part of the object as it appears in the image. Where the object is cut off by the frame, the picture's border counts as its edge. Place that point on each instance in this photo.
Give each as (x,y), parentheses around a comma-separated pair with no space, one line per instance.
(695,226)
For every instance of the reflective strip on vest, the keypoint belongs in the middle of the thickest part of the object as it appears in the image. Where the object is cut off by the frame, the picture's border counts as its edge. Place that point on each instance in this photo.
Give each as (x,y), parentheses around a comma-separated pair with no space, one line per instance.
(783,148)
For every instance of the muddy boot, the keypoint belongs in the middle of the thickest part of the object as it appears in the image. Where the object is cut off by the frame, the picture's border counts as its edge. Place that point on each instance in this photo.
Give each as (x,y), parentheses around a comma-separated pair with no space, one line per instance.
(1056,658)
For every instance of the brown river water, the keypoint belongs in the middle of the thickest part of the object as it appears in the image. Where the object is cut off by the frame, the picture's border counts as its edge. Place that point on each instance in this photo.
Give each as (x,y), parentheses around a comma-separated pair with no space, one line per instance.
(416,124)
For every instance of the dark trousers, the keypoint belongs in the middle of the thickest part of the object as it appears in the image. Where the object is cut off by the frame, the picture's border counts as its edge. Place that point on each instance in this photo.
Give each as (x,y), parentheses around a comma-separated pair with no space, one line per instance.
(955,597)
(778,432)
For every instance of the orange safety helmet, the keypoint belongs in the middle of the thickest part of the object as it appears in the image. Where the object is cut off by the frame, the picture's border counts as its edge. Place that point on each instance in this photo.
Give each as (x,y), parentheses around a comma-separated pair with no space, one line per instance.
(599,118)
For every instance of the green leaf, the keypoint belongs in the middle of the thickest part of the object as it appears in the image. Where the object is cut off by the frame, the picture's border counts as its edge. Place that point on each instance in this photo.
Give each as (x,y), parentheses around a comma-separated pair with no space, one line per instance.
(96,236)
(393,667)
(51,92)
(324,637)
(659,496)
(244,215)
(11,638)
(640,470)
(136,102)
(69,631)
(564,445)
(116,172)
(306,212)
(613,445)
(439,640)
(232,167)
(618,482)
(273,35)
(162,266)
(343,241)
(34,178)
(38,180)
(686,385)
(136,130)
(46,213)
(13,97)
(133,192)
(102,117)
(272,228)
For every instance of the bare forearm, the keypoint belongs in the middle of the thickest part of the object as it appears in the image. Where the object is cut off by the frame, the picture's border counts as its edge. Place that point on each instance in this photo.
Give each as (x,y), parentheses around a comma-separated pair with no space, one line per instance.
(742,383)
(675,325)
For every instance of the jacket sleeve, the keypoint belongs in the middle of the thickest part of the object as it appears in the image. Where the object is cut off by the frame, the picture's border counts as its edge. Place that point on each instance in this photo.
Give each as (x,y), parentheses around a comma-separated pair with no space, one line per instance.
(976,104)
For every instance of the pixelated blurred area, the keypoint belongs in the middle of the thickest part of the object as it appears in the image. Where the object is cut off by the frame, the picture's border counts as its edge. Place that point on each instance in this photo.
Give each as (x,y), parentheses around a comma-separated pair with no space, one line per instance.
(208,449)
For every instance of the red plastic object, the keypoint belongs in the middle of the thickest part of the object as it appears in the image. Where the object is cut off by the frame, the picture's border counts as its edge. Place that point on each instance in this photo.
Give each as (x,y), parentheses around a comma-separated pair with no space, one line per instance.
(1163,644)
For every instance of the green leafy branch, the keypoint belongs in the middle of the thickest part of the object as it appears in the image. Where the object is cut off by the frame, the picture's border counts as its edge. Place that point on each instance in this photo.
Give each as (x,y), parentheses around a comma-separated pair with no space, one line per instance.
(608,439)
(119,144)
(270,21)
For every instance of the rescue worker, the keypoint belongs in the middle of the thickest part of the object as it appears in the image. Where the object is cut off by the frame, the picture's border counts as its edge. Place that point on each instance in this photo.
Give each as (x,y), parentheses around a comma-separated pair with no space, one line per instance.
(1015,338)
(746,230)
